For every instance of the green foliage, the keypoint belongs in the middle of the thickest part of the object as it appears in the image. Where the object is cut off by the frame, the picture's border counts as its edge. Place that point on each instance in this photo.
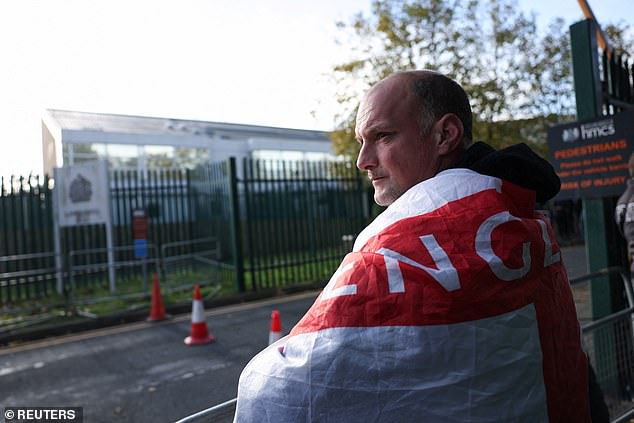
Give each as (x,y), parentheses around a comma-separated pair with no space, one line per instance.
(621,37)
(519,81)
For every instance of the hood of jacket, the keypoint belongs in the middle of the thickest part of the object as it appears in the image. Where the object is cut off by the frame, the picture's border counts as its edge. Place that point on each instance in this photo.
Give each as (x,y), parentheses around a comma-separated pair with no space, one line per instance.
(517,164)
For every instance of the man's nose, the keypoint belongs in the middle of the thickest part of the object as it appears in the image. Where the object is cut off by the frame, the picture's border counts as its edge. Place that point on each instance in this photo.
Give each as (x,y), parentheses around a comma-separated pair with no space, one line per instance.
(367,157)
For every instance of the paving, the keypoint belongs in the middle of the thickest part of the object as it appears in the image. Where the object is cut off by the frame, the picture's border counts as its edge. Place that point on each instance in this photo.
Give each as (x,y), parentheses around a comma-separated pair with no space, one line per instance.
(143,372)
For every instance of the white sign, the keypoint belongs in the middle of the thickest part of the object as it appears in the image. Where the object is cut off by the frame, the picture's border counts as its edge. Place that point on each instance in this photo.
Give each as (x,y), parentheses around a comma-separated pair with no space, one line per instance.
(82,197)
(82,194)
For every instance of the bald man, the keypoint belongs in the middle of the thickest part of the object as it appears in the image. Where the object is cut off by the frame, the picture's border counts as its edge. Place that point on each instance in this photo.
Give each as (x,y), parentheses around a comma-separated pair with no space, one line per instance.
(454,305)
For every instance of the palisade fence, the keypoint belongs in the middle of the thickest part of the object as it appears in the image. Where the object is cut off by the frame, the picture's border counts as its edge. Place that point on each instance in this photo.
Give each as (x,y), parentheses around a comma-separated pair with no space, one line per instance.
(617,83)
(264,224)
(27,260)
(300,219)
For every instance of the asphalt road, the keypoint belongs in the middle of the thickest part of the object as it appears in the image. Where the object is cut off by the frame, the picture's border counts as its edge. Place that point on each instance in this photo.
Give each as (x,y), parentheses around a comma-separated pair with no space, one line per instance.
(143,372)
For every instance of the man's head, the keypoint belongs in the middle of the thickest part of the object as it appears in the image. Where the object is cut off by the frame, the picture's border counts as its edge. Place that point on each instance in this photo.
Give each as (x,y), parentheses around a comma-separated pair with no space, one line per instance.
(411,125)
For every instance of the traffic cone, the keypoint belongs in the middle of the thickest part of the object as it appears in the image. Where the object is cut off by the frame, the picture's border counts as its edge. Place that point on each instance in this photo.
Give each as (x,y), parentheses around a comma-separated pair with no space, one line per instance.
(276,327)
(199,334)
(157,311)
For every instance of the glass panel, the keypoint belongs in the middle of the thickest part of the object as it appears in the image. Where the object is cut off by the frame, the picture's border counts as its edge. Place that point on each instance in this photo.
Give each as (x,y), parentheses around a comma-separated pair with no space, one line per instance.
(291,155)
(317,157)
(265,154)
(84,150)
(191,157)
(159,156)
(66,153)
(123,156)
(100,149)
(123,162)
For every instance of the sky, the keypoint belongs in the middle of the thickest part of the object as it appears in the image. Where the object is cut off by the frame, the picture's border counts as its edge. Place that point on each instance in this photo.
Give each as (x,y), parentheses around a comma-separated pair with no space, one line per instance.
(261,62)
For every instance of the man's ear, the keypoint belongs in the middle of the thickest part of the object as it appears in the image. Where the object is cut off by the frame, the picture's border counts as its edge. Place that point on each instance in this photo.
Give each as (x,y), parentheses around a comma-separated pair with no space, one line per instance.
(448,132)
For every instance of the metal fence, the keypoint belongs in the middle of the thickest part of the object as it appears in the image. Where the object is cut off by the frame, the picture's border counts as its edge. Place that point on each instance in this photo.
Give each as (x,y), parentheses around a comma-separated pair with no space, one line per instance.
(276,223)
(297,219)
(195,262)
(91,268)
(166,196)
(26,217)
(221,413)
(86,281)
(617,83)
(26,276)
(609,343)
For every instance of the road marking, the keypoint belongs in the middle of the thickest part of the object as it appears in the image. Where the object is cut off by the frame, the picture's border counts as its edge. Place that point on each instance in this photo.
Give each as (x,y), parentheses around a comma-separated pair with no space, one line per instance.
(129,327)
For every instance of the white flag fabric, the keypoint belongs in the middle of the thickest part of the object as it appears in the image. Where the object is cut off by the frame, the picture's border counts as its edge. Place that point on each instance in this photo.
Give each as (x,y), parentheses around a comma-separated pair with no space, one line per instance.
(454,306)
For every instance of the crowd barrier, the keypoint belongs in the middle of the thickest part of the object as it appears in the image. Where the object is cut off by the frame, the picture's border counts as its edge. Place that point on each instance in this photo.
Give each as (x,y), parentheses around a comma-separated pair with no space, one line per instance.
(609,343)
(30,283)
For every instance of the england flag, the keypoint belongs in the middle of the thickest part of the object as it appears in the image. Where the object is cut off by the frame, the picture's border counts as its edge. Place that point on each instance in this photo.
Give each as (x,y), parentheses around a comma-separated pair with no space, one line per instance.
(454,306)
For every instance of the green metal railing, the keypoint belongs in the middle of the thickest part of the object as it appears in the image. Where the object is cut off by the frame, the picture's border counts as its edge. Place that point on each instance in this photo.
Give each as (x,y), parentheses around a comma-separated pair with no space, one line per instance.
(276,222)
(617,83)
(25,216)
(297,216)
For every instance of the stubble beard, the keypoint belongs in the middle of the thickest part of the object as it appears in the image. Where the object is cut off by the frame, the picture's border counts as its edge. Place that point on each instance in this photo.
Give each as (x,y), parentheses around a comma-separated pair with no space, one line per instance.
(387,195)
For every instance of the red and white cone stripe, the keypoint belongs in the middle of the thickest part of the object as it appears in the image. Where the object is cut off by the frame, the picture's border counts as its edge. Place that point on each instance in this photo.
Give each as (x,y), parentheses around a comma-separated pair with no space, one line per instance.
(276,327)
(199,332)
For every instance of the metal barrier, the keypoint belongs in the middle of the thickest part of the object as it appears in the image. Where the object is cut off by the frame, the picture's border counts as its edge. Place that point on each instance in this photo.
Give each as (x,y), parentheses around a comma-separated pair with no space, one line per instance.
(26,276)
(609,343)
(24,280)
(185,254)
(197,261)
(92,263)
(221,413)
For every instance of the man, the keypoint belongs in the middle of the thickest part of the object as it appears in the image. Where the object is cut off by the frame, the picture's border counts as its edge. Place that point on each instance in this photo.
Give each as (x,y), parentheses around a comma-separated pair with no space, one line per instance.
(624,213)
(454,305)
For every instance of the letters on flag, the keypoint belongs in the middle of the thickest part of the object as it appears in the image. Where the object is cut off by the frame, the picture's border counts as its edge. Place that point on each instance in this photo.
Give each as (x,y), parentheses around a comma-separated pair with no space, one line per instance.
(453,306)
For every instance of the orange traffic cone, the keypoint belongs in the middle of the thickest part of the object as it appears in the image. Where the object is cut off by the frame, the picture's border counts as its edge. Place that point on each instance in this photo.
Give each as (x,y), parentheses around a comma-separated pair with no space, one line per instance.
(157,311)
(199,334)
(276,327)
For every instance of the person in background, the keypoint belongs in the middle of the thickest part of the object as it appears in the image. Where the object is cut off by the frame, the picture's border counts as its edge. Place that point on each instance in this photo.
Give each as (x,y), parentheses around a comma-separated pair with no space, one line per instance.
(454,304)
(624,212)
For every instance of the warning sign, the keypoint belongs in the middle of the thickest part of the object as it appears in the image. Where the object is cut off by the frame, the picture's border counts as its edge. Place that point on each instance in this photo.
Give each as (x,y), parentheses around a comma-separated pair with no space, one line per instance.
(139,232)
(591,156)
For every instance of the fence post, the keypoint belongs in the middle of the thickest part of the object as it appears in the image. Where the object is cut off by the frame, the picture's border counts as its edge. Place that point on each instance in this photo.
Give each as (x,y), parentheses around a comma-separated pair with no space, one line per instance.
(601,240)
(602,243)
(236,229)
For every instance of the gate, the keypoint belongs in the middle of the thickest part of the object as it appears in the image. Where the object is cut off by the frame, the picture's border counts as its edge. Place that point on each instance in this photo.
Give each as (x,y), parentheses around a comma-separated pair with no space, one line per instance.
(298,216)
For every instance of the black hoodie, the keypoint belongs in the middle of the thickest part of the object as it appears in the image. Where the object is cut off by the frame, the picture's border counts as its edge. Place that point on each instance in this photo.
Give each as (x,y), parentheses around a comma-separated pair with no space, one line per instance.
(517,164)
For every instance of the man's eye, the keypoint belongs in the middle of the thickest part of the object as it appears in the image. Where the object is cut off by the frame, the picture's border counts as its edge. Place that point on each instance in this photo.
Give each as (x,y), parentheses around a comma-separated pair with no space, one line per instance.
(382,135)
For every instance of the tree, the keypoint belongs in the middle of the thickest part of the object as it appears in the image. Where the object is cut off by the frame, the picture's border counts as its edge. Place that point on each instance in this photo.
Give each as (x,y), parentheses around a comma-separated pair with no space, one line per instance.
(550,73)
(519,82)
(398,35)
(480,43)
(496,80)
(621,37)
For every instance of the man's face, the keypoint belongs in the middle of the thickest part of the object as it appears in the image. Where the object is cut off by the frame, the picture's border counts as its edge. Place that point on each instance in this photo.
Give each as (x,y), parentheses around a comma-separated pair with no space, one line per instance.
(393,151)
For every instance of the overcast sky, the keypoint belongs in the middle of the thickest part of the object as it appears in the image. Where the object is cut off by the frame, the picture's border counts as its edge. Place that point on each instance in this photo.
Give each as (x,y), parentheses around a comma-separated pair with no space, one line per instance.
(260,62)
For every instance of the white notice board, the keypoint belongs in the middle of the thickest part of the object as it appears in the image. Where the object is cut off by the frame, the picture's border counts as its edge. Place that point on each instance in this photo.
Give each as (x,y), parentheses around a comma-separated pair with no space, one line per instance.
(82,194)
